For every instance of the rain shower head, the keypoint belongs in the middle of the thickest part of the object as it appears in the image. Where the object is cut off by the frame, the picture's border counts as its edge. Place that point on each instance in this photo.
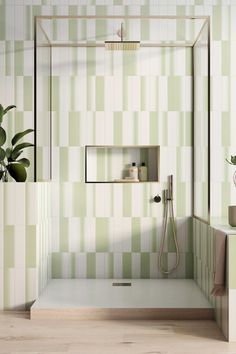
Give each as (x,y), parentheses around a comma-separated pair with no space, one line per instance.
(121,44)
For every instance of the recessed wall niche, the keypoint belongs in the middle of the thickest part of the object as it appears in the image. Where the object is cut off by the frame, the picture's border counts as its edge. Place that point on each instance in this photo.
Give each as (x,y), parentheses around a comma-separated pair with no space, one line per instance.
(110,164)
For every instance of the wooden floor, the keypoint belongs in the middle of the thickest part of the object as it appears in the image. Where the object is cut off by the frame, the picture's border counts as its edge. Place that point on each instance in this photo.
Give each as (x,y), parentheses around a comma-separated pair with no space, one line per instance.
(20,335)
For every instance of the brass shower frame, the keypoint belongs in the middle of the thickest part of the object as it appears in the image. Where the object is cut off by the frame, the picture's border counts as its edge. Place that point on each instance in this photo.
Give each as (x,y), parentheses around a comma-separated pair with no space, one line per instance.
(37,21)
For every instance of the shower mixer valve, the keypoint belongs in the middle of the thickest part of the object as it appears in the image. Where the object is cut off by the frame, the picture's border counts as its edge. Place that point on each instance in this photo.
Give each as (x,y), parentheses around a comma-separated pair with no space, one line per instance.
(157,198)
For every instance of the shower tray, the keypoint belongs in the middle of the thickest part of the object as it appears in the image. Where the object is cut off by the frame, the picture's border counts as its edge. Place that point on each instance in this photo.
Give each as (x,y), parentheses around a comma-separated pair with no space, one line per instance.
(122,299)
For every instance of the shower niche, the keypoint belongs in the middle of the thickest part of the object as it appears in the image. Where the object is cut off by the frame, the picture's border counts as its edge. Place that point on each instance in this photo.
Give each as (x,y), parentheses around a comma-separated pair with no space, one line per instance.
(110,164)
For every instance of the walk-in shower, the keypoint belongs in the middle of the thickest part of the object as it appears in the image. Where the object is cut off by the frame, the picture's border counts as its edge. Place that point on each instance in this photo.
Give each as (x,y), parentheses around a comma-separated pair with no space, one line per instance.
(97,112)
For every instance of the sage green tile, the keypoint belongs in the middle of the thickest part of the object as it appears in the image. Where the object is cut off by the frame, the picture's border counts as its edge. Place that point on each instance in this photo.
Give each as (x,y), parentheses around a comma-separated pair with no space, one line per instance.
(19,122)
(30,247)
(100,93)
(129,62)
(102,236)
(28,93)
(153,128)
(74,128)
(101,26)
(181,198)
(127,199)
(145,30)
(63,164)
(170,237)
(189,237)
(79,199)
(8,58)
(225,57)
(216,22)
(9,246)
(64,235)
(188,62)
(110,266)
(126,265)
(145,265)
(73,24)
(55,93)
(19,58)
(101,10)
(91,61)
(2,22)
(82,235)
(225,129)
(73,265)
(56,265)
(174,93)
(117,128)
(136,235)
(189,265)
(154,235)
(91,265)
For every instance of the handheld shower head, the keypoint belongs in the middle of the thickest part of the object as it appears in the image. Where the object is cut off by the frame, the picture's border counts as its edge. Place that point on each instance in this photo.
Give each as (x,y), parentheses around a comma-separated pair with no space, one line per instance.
(170,187)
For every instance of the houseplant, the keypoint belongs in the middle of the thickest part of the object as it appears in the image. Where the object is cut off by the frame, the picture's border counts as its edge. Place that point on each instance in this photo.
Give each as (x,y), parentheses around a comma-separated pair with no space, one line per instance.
(10,161)
(232,208)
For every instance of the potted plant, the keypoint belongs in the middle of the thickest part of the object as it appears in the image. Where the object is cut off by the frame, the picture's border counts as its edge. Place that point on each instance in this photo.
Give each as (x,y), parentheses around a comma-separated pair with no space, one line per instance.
(10,161)
(232,208)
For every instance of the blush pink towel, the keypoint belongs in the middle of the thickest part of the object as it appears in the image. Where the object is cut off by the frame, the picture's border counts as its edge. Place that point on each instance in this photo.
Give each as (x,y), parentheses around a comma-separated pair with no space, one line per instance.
(219,263)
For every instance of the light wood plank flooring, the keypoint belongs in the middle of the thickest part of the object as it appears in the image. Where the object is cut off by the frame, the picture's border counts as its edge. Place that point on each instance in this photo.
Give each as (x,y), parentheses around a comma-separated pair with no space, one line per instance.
(20,335)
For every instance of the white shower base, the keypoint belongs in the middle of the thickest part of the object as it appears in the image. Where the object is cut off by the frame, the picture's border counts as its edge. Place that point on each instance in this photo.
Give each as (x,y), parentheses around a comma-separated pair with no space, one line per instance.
(144,299)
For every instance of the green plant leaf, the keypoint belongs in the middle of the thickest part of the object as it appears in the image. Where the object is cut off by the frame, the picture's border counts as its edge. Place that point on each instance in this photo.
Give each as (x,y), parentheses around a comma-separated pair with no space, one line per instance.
(21,146)
(2,154)
(17,171)
(8,109)
(14,155)
(1,113)
(233,160)
(25,162)
(20,135)
(3,136)
(1,174)
(8,152)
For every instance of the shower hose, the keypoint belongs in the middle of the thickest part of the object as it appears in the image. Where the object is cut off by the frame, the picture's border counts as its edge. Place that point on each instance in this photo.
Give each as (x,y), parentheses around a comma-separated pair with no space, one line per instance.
(168,205)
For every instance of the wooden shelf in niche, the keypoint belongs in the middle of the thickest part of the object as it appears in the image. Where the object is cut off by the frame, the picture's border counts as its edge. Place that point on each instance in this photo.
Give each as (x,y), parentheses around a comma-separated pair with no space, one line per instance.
(110,163)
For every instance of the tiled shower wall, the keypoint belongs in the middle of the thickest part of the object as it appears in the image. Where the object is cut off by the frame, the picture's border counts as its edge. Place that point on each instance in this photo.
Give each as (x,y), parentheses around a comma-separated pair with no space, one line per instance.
(120,98)
(25,255)
(16,70)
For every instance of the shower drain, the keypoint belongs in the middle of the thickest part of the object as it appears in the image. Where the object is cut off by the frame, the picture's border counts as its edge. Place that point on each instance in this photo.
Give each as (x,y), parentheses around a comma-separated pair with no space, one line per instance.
(121,284)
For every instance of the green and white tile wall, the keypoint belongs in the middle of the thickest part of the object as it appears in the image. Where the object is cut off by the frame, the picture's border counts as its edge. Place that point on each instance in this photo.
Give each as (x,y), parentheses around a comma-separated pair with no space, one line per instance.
(16,85)
(119,98)
(24,243)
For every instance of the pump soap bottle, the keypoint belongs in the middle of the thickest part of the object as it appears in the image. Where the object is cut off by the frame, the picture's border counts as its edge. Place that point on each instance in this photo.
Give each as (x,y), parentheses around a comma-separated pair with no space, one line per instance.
(142,172)
(133,171)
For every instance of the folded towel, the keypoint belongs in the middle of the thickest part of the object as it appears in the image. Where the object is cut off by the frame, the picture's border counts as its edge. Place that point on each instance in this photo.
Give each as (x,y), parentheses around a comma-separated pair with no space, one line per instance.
(219,263)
